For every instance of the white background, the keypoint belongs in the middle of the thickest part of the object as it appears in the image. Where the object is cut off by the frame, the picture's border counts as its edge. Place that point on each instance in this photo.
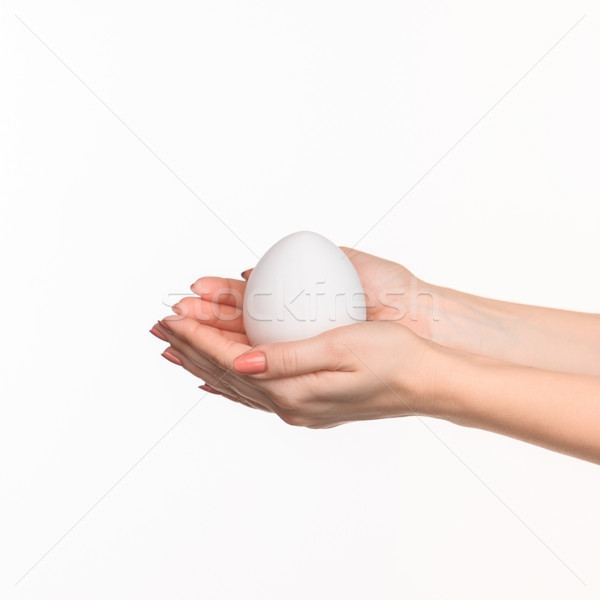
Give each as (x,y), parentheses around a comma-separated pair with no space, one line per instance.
(280,116)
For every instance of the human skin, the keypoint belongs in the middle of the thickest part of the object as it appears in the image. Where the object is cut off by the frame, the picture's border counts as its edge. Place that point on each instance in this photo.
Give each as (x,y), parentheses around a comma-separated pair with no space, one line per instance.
(528,372)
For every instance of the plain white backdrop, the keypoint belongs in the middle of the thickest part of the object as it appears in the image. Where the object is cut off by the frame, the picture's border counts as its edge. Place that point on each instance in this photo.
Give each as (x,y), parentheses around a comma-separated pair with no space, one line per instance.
(125,129)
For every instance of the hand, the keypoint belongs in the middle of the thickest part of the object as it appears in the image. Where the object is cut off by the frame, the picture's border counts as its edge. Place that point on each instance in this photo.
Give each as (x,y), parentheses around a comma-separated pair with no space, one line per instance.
(393,292)
(219,310)
(380,368)
(389,287)
(219,305)
(363,371)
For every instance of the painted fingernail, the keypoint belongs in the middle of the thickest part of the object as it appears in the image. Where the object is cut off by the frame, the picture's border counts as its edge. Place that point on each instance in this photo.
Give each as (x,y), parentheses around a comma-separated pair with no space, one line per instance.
(171,357)
(154,331)
(251,363)
(208,389)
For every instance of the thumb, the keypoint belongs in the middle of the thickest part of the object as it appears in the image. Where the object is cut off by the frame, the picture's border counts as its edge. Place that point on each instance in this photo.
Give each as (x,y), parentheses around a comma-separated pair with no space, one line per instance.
(290,359)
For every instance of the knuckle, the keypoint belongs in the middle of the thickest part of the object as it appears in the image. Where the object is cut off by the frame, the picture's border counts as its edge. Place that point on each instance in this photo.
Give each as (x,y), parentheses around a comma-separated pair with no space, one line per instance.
(333,350)
(288,359)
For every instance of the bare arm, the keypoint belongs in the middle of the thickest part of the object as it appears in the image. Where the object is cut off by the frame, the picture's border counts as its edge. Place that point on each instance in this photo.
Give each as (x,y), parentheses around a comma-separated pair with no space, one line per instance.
(527,372)
(530,335)
(377,370)
(547,338)
(560,411)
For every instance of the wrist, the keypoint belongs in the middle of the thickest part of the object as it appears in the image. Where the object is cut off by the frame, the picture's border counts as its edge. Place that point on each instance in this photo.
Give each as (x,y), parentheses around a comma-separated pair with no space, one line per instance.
(469,323)
(441,389)
(426,378)
(422,308)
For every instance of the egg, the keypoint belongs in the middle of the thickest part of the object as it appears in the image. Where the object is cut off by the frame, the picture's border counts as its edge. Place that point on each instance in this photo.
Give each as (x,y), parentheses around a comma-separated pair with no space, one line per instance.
(302,286)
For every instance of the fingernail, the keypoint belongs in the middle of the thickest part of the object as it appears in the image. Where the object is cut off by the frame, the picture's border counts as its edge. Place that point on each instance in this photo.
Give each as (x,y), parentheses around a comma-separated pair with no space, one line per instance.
(164,324)
(176,309)
(250,363)
(208,389)
(171,357)
(245,274)
(158,334)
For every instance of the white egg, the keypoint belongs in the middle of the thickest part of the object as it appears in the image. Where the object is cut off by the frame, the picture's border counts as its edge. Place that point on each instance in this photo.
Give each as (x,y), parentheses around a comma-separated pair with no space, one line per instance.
(303,285)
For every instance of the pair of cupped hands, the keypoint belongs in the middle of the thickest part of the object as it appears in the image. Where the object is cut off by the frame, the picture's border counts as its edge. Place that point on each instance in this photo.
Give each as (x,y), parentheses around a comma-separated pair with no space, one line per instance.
(382,367)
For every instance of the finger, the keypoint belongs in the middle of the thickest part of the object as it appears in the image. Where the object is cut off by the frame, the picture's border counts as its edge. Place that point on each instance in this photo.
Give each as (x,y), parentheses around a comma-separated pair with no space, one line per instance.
(225,381)
(218,380)
(181,360)
(236,390)
(215,380)
(223,316)
(207,341)
(201,366)
(210,390)
(349,252)
(246,274)
(157,331)
(323,352)
(185,349)
(168,336)
(242,399)
(220,290)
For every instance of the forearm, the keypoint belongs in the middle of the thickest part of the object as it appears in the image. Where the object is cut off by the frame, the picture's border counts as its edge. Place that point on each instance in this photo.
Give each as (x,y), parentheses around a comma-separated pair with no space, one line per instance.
(560,411)
(547,338)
